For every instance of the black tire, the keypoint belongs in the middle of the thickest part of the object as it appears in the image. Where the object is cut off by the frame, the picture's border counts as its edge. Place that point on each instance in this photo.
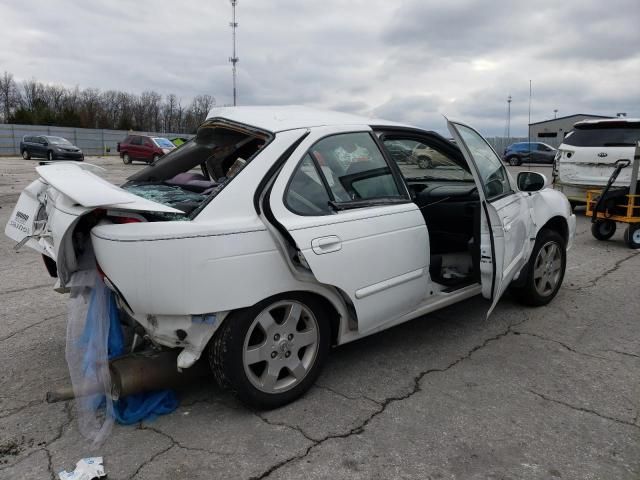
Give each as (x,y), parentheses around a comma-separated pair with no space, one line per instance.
(50,156)
(603,229)
(26,155)
(514,161)
(126,159)
(155,158)
(528,293)
(226,352)
(632,235)
(424,161)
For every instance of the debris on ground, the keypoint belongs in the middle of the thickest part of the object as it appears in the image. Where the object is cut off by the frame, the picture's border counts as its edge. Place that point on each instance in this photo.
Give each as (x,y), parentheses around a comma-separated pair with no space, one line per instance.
(86,469)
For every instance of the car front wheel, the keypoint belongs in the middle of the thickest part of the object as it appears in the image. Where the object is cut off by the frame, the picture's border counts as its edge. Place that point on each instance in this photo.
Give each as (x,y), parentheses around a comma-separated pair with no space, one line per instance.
(155,158)
(424,161)
(545,271)
(50,156)
(126,159)
(270,354)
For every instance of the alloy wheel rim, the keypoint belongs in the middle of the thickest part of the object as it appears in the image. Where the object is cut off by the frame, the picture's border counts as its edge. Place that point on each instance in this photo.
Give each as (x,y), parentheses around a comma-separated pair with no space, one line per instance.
(547,268)
(280,347)
(635,236)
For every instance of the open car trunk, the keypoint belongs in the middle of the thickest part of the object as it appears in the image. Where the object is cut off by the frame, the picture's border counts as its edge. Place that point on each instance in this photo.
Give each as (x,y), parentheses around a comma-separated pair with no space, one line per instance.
(55,213)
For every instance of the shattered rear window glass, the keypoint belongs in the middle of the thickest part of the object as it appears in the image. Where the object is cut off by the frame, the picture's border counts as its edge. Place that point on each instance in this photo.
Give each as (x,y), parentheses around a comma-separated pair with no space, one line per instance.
(169,195)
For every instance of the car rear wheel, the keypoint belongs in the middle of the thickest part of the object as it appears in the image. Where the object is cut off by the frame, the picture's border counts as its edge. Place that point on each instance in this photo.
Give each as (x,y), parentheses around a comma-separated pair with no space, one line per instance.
(155,158)
(632,235)
(126,159)
(545,271)
(270,354)
(514,161)
(50,156)
(25,155)
(603,229)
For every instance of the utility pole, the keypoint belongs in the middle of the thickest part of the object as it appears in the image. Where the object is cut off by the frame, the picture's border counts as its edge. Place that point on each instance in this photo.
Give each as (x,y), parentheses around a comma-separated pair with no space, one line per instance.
(234,58)
(509,116)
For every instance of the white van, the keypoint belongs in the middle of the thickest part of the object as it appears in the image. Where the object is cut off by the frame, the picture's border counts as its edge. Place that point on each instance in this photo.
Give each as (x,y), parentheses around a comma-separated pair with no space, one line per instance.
(586,157)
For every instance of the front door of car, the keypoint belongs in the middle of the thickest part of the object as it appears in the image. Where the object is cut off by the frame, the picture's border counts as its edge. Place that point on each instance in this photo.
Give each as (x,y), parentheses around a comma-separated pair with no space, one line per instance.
(506,225)
(349,215)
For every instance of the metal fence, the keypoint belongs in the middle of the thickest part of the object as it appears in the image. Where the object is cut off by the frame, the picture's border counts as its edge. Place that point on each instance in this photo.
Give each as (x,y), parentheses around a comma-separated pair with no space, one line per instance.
(103,142)
(90,141)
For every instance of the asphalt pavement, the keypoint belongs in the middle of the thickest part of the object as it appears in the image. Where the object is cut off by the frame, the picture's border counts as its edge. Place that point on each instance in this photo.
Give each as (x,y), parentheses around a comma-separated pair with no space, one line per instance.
(529,393)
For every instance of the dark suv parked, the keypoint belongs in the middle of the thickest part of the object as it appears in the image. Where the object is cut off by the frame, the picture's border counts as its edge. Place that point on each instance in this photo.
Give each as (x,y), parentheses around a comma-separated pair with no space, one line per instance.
(51,148)
(534,152)
(144,148)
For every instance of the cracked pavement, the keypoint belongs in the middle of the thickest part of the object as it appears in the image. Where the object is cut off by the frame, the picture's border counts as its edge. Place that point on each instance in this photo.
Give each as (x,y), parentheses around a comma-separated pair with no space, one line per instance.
(530,393)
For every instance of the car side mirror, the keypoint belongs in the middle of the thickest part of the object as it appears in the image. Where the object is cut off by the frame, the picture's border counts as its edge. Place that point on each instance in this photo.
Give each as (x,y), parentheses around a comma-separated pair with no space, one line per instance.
(531,181)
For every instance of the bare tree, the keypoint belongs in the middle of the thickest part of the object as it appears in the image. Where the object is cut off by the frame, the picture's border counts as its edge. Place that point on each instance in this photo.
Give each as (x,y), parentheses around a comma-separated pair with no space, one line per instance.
(9,96)
(36,102)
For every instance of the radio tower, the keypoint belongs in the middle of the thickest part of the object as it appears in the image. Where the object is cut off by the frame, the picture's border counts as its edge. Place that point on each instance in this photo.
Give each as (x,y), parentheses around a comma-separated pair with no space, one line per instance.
(508,129)
(234,59)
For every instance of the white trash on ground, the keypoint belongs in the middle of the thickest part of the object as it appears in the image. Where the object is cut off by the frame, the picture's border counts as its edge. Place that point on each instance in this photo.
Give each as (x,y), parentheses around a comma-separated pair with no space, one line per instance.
(86,469)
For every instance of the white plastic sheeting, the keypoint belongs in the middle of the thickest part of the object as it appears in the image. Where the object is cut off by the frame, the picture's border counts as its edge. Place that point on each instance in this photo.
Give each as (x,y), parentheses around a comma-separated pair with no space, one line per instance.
(87,352)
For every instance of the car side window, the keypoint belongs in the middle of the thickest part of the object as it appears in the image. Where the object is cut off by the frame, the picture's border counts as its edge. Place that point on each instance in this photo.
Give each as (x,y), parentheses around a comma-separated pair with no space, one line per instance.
(306,194)
(417,160)
(493,173)
(339,172)
(136,141)
(354,168)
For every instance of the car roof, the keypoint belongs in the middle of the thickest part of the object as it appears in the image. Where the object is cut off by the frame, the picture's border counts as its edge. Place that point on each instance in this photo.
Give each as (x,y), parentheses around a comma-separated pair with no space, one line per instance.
(617,120)
(289,117)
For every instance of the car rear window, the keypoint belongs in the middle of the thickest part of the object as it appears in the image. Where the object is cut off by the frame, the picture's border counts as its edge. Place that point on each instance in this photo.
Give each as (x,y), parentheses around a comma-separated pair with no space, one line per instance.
(163,142)
(604,136)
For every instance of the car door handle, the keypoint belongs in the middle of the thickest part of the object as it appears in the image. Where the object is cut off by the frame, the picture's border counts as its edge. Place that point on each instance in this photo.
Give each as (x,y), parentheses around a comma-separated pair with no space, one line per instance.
(328,244)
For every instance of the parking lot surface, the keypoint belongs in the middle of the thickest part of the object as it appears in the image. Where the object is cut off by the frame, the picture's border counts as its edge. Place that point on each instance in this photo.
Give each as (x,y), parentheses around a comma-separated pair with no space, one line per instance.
(530,393)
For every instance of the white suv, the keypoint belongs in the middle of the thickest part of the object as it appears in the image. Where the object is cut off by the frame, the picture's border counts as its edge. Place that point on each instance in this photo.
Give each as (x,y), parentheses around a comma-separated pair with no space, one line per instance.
(586,157)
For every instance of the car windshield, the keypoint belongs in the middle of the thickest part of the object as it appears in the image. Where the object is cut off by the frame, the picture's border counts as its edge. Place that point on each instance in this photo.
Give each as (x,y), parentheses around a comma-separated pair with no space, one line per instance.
(163,142)
(58,141)
(604,136)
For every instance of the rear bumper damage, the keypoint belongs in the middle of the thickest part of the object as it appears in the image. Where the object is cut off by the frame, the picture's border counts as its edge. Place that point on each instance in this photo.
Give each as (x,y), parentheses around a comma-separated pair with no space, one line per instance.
(191,333)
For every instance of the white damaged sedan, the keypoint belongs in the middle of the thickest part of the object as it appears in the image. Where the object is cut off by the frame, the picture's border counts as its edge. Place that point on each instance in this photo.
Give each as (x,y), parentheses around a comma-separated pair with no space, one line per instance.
(280,231)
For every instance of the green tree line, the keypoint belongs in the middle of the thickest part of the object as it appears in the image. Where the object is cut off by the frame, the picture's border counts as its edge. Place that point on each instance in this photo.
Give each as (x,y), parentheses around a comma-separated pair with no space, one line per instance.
(35,103)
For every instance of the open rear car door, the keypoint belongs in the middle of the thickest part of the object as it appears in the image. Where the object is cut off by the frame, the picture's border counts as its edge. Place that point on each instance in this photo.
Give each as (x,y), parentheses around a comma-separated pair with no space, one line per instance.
(506,226)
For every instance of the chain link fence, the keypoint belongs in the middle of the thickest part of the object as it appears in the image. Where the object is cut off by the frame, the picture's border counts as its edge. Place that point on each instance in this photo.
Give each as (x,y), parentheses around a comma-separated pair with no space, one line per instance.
(90,141)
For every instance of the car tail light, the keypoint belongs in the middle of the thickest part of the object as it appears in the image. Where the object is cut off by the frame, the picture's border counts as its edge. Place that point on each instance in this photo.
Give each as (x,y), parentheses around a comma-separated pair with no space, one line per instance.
(121,220)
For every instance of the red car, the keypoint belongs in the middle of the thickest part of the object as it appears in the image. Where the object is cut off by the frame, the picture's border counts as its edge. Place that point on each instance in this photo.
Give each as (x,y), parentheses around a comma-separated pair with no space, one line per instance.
(144,148)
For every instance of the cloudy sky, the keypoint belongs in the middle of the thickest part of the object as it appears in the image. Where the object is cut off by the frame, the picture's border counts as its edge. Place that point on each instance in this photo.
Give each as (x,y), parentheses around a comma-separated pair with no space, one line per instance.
(406,60)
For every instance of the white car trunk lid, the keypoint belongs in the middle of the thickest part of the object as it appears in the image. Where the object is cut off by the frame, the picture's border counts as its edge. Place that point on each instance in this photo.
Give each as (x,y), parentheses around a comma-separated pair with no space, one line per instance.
(49,207)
